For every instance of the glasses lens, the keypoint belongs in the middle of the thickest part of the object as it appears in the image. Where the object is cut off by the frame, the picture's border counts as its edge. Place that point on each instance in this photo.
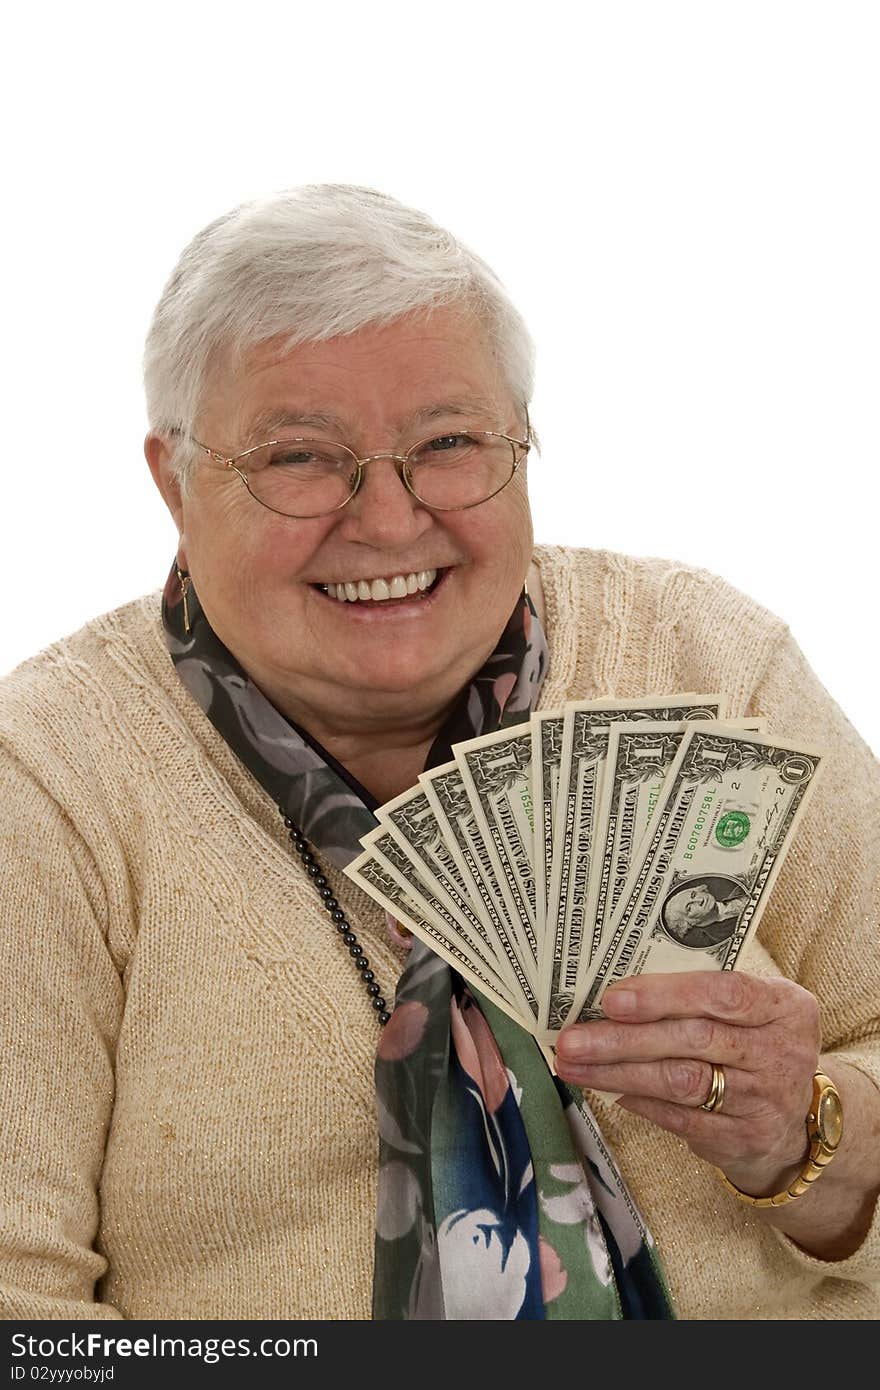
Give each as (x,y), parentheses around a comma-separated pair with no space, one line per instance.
(301,477)
(452,471)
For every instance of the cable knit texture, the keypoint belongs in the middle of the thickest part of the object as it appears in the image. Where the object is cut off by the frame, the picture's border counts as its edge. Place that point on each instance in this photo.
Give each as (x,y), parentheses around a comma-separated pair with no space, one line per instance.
(188,1109)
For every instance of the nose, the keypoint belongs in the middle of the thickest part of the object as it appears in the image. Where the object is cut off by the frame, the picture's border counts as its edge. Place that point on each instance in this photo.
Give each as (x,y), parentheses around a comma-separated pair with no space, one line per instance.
(383,511)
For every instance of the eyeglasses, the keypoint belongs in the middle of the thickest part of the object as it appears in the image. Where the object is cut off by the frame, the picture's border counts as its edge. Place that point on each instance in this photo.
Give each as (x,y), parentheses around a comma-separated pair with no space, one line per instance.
(304,478)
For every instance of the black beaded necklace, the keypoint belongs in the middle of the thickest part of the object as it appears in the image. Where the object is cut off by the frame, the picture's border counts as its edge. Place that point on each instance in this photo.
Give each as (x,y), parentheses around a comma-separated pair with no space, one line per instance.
(337,916)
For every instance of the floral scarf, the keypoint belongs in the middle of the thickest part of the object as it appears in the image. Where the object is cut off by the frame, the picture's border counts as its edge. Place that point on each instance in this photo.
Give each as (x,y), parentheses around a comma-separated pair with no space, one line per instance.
(497,1196)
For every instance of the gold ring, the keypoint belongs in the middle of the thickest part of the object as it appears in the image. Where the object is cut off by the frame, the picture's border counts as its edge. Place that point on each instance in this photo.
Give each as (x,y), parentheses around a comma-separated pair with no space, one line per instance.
(715,1098)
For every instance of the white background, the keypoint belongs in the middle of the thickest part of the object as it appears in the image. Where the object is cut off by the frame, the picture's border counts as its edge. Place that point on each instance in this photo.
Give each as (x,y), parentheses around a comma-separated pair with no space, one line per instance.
(681,197)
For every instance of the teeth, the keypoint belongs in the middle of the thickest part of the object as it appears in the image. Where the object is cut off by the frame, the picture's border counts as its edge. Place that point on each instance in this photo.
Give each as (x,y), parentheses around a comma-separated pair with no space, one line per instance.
(397,586)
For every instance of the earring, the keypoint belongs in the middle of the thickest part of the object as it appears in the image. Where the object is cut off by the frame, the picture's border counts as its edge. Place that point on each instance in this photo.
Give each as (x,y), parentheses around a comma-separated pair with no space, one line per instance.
(184,581)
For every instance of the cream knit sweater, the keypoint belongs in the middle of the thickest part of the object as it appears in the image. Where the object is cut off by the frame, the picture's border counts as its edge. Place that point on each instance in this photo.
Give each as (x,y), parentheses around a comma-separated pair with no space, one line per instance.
(187,1103)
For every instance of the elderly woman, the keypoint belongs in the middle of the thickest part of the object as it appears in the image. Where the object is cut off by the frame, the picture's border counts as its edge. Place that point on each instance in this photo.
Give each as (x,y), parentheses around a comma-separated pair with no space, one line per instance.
(338,395)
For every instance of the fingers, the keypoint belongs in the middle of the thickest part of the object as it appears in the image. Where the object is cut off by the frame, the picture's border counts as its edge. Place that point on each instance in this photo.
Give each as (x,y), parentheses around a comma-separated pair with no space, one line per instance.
(767,1030)
(744,1130)
(656,1046)
(760,1143)
(678,1081)
(728,996)
(703,1040)
(713,1137)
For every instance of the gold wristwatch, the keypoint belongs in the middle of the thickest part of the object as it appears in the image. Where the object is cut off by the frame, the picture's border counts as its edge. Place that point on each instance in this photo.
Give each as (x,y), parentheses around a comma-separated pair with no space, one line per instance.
(824,1132)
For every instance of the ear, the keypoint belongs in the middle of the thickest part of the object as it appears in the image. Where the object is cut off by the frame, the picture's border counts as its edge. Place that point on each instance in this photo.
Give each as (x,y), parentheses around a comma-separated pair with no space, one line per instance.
(159,456)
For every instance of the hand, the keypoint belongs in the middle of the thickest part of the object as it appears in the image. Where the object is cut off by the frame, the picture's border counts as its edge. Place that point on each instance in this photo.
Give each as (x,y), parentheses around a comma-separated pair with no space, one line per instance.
(657,1044)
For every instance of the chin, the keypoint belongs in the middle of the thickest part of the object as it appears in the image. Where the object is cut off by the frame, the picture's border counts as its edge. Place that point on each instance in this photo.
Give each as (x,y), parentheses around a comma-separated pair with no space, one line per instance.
(394,675)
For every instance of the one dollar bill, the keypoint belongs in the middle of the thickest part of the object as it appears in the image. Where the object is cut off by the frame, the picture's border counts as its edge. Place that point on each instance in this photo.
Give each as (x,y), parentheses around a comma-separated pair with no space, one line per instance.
(729,808)
(569,927)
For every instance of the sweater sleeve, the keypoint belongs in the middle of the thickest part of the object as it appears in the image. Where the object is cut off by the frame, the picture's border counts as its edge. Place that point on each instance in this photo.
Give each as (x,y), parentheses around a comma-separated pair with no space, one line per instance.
(60,1016)
(821,923)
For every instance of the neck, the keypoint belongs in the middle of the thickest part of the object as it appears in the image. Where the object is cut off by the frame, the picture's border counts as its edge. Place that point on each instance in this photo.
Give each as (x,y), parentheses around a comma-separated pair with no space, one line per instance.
(390,770)
(385,754)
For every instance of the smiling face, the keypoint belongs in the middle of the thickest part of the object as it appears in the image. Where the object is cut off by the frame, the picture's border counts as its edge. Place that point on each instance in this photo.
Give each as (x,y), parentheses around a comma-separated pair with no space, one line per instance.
(259,575)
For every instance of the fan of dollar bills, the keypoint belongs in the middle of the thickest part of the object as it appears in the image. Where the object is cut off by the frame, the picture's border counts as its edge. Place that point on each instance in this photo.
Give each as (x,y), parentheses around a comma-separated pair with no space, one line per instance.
(605,839)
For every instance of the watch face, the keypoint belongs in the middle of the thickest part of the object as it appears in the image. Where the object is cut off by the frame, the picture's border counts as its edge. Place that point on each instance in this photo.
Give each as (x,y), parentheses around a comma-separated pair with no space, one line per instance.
(830,1119)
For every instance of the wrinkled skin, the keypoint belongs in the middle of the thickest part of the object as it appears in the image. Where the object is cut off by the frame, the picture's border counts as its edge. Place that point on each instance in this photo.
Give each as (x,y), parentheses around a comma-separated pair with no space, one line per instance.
(655,1049)
(359,679)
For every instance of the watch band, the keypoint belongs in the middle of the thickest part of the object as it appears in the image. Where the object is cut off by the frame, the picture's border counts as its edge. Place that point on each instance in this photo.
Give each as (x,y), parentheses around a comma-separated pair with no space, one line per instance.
(824,1131)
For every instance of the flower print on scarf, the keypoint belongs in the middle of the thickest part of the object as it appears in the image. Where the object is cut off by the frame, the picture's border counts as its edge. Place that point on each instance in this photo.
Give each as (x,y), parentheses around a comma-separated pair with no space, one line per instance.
(501,688)
(198,678)
(515,1087)
(576,1207)
(477,1051)
(399,1200)
(554,1279)
(404,1031)
(490,1261)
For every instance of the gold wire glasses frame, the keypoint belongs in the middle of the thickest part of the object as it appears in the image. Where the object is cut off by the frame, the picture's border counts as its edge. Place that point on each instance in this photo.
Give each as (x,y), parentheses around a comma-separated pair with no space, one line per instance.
(519,449)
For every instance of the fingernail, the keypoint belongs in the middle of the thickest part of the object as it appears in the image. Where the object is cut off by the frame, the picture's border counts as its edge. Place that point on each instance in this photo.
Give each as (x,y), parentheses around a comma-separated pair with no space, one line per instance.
(621,1001)
(571,1046)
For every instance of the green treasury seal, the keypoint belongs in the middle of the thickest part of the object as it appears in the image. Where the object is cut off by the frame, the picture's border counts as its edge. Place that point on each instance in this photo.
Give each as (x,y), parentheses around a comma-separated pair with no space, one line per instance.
(732,829)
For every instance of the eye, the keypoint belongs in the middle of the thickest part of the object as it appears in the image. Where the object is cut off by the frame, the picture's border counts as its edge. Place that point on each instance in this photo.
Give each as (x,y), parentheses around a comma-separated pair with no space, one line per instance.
(289,457)
(304,458)
(448,449)
(449,443)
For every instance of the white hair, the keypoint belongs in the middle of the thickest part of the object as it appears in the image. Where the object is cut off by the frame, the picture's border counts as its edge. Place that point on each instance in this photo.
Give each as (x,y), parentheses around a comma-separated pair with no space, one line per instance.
(308,264)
